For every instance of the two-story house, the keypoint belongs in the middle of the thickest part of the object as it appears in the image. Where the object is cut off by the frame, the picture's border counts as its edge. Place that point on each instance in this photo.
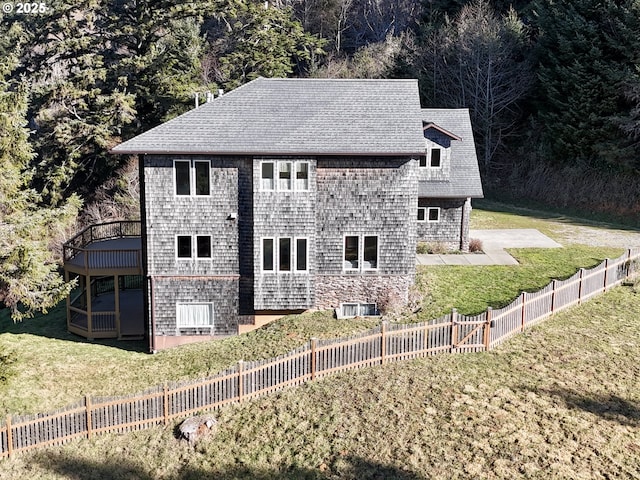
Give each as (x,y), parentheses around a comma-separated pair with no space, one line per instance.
(292,194)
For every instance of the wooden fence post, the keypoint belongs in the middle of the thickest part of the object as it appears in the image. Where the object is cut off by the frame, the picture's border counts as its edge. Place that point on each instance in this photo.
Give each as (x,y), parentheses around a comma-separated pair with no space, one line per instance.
(523,299)
(383,342)
(487,330)
(314,346)
(580,286)
(240,386)
(165,403)
(606,271)
(553,295)
(87,406)
(454,328)
(9,437)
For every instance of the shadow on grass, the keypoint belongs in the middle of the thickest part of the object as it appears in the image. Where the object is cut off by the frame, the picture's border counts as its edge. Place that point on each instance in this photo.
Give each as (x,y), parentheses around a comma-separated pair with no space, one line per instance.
(609,407)
(351,468)
(54,325)
(541,211)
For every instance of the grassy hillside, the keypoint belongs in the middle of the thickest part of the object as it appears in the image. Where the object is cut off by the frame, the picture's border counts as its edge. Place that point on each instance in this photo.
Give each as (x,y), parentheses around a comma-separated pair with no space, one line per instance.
(561,401)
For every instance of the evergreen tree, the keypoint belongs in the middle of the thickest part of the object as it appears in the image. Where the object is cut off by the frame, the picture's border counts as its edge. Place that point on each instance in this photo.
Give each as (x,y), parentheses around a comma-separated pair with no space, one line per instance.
(29,278)
(252,39)
(587,55)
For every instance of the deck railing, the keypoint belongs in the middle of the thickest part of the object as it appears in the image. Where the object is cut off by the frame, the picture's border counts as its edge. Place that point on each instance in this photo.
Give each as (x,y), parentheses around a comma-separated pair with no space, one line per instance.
(98,232)
(75,250)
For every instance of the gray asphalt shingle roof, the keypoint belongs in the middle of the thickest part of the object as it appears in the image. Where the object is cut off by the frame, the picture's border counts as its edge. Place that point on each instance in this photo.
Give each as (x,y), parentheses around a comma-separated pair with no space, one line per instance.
(296,116)
(465,175)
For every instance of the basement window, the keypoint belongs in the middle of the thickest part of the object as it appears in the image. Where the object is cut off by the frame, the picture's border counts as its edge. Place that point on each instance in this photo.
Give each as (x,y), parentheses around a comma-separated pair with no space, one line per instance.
(194,315)
(357,309)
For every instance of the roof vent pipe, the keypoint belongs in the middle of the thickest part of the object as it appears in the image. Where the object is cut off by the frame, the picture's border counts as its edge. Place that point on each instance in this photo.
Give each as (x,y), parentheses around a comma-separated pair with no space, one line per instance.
(197,96)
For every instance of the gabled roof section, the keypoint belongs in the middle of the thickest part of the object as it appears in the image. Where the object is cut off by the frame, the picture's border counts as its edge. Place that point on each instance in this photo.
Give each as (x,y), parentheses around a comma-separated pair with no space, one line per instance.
(464,180)
(427,125)
(295,116)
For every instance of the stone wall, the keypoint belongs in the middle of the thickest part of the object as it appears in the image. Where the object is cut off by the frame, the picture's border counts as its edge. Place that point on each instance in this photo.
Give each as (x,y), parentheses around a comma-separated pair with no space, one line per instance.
(384,290)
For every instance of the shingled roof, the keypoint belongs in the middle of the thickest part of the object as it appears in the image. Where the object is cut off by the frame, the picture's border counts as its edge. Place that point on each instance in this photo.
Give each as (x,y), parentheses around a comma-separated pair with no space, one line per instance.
(464,178)
(295,116)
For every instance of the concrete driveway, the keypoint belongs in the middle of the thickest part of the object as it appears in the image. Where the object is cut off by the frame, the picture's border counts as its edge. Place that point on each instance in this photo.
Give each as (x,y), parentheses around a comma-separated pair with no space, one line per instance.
(493,244)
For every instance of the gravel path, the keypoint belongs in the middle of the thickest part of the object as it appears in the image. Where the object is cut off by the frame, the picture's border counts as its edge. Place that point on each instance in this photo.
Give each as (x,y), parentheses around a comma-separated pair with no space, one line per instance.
(596,237)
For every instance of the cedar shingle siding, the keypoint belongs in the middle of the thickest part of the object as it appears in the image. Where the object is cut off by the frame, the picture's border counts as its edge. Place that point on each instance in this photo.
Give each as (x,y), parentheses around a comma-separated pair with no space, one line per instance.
(360,142)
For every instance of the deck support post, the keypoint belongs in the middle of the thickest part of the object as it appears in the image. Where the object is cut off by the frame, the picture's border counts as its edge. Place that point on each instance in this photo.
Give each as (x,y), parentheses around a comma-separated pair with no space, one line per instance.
(89,318)
(116,292)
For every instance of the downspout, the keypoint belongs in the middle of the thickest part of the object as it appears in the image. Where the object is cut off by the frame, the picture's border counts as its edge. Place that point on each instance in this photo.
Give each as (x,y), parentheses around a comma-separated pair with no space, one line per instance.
(462,221)
(152,315)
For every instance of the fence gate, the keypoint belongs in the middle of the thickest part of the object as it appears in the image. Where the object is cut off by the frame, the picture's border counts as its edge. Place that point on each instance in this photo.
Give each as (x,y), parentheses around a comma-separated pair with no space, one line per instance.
(470,334)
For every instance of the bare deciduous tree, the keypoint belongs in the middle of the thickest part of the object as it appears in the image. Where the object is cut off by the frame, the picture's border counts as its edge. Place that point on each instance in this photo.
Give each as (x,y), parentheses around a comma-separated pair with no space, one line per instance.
(479,62)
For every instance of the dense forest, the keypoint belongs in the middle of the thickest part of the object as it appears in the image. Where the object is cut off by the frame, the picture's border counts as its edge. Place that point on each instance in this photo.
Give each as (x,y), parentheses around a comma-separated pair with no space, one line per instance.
(553,87)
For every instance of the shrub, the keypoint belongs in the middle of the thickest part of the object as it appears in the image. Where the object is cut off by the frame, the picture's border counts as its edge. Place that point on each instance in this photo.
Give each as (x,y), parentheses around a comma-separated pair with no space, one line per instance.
(436,248)
(475,245)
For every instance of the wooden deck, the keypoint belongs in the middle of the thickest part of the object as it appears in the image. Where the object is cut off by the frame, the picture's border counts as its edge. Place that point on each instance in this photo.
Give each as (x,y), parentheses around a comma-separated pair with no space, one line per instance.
(121,256)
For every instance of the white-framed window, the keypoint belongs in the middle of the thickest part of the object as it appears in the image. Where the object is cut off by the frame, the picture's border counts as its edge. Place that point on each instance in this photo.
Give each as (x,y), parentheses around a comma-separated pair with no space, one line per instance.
(184,247)
(267,176)
(351,254)
(302,255)
(182,177)
(433,214)
(360,252)
(268,255)
(285,182)
(194,315)
(190,246)
(284,254)
(433,157)
(192,177)
(284,175)
(203,246)
(302,176)
(357,309)
(422,214)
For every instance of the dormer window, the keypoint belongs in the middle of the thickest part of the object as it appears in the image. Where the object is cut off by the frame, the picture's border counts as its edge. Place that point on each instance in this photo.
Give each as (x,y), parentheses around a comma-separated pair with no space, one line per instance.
(435,157)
